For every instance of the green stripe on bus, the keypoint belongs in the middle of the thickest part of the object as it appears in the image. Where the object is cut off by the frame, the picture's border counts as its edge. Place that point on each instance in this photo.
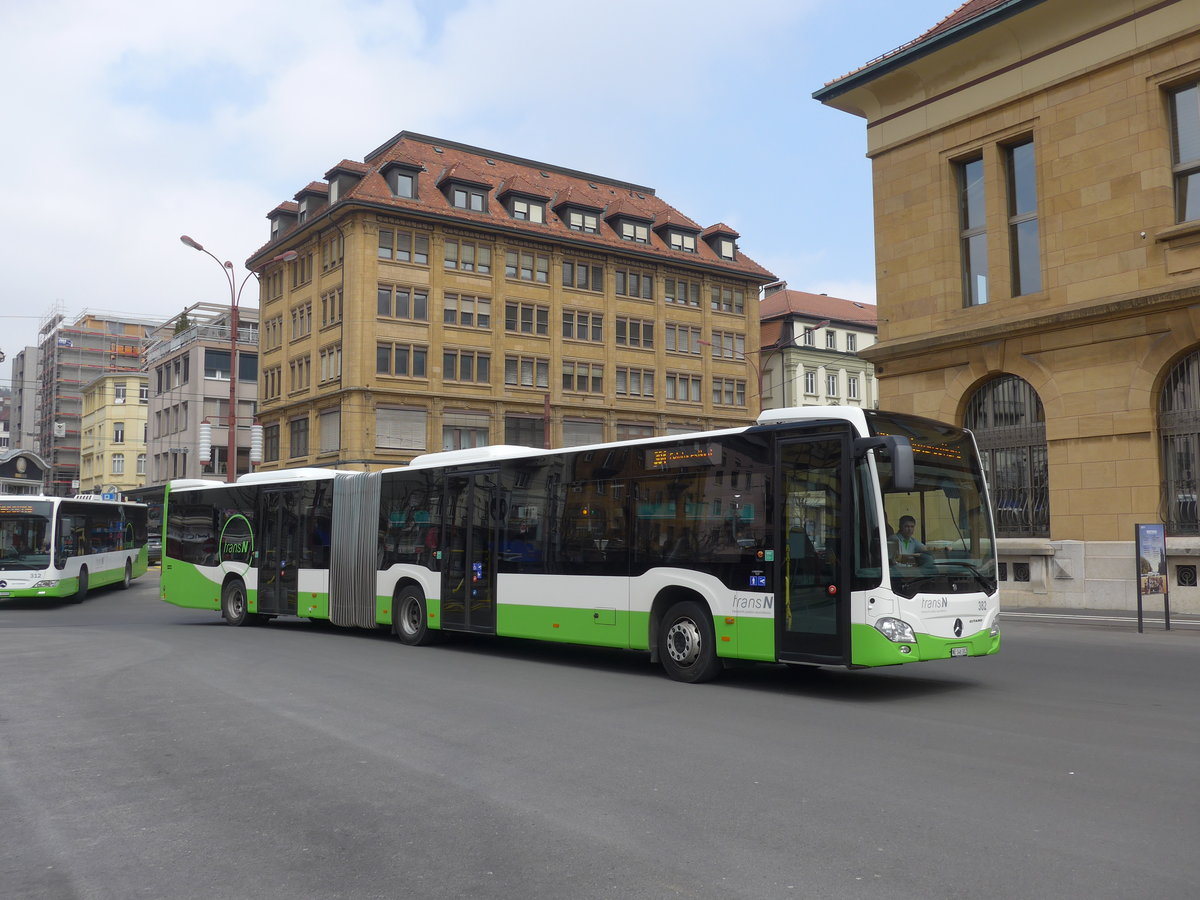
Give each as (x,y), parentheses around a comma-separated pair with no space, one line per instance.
(868,647)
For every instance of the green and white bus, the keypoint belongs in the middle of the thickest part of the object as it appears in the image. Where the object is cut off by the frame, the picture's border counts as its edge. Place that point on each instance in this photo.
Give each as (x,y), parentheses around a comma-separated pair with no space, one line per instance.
(62,546)
(771,542)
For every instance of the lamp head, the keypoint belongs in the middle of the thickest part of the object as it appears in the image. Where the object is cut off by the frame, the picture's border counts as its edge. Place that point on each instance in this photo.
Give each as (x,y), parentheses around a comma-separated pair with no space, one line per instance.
(195,245)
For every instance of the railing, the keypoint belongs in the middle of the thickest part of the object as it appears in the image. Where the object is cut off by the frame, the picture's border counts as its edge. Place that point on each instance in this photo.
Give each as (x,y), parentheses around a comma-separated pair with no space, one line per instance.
(218,334)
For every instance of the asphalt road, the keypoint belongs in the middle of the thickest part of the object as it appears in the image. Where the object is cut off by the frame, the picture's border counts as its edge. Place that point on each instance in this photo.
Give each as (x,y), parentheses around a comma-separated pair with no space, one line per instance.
(149,751)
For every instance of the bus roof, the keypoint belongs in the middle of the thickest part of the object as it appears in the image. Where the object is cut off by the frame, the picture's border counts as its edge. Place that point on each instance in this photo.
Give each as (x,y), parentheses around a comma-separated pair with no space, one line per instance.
(853,414)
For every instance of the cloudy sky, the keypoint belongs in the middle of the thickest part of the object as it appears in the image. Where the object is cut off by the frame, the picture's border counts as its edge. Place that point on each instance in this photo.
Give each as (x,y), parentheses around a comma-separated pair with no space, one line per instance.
(131,123)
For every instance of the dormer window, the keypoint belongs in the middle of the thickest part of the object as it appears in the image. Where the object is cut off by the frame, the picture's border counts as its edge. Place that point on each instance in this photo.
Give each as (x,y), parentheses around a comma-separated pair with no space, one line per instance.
(528,210)
(589,223)
(468,197)
(404,184)
(276,229)
(682,240)
(725,248)
(637,232)
(401,179)
(303,214)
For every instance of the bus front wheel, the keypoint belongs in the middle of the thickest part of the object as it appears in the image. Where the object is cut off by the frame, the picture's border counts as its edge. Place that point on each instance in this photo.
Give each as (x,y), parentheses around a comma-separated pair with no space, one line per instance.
(410,620)
(128,580)
(233,603)
(687,644)
(82,589)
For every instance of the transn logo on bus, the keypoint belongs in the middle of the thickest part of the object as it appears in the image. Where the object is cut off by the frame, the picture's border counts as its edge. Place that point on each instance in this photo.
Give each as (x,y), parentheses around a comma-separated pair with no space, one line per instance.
(237,541)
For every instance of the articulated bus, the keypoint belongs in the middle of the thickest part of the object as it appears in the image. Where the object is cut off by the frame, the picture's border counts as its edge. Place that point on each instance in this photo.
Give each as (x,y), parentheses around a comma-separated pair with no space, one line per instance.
(777,542)
(61,546)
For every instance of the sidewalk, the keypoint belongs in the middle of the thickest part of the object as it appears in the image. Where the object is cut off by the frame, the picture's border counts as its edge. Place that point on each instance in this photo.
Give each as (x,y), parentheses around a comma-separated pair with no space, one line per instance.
(1152,618)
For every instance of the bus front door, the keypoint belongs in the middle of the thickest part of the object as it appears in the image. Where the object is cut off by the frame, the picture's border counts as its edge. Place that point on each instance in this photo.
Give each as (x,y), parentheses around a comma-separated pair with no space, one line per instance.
(811,609)
(469,552)
(279,550)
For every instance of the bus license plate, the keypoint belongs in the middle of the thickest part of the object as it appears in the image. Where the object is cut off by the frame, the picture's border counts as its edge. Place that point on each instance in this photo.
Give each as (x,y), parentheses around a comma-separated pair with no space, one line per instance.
(958,651)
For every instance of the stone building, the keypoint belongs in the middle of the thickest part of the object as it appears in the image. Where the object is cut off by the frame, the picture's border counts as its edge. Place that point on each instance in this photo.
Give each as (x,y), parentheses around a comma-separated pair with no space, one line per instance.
(1036,168)
(446,296)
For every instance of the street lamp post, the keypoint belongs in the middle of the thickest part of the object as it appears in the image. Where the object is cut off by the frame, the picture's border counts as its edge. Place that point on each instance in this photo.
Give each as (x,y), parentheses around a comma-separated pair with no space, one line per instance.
(235,296)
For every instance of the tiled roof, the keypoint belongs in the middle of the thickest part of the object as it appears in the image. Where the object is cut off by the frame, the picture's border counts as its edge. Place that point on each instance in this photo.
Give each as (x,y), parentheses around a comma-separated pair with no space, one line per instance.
(968,11)
(518,184)
(314,187)
(446,160)
(719,228)
(291,207)
(783,303)
(668,217)
(349,165)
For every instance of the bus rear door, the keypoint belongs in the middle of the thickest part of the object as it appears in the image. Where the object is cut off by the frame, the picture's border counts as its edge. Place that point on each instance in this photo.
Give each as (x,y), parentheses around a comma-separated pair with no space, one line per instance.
(279,550)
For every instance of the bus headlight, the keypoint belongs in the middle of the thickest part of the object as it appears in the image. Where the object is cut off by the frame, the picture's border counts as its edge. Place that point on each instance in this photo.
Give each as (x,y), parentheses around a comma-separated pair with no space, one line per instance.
(896,631)
(51,583)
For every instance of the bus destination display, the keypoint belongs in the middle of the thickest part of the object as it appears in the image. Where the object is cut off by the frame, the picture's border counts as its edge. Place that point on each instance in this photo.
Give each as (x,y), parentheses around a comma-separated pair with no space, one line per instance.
(708,454)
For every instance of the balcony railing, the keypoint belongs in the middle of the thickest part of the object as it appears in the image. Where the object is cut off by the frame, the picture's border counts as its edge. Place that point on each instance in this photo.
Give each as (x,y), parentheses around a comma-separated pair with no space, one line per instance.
(215,334)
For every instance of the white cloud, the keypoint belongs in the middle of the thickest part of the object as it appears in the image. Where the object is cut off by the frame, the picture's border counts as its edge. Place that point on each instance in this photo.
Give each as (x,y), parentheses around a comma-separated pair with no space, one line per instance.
(139,122)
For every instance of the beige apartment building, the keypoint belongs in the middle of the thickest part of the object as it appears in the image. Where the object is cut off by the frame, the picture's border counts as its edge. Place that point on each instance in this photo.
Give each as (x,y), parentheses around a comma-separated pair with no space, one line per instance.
(446,296)
(112,449)
(810,350)
(1036,168)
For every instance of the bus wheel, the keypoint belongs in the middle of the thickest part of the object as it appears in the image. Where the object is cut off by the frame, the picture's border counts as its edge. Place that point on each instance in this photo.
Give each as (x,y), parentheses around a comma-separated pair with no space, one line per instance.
(686,644)
(410,620)
(233,603)
(128,580)
(82,589)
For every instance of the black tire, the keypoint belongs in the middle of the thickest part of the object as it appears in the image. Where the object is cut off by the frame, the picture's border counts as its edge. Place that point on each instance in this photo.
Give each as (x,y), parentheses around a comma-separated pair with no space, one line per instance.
(127,582)
(687,646)
(410,618)
(234,605)
(82,589)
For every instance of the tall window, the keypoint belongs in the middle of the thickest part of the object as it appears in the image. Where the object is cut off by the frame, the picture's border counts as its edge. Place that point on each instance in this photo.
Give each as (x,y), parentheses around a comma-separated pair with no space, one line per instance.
(118,432)
(1185,147)
(1010,427)
(1023,220)
(298,438)
(118,463)
(1179,425)
(972,233)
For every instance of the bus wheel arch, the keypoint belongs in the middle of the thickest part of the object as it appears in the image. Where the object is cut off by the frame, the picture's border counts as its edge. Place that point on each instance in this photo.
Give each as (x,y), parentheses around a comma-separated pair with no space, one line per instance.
(682,637)
(410,615)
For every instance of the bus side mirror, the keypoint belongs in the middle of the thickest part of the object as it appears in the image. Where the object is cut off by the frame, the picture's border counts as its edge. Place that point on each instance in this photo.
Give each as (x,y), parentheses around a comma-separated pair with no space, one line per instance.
(899,451)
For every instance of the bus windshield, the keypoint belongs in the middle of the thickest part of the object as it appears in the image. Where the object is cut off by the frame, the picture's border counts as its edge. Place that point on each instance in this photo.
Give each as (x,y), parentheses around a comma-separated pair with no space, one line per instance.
(939,535)
(24,535)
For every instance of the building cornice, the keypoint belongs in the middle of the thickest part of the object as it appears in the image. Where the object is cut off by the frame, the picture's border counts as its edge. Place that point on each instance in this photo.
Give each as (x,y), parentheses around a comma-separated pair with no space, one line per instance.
(1124,307)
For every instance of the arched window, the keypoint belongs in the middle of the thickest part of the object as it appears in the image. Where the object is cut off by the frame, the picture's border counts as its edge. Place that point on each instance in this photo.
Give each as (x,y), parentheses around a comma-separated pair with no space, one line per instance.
(1179,426)
(1009,423)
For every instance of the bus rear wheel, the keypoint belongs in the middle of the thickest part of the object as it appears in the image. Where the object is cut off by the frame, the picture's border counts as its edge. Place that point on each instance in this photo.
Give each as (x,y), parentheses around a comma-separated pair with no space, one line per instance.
(233,603)
(128,579)
(410,620)
(687,644)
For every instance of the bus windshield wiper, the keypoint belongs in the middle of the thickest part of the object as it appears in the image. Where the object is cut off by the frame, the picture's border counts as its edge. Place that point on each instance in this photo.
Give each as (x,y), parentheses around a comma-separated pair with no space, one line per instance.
(988,586)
